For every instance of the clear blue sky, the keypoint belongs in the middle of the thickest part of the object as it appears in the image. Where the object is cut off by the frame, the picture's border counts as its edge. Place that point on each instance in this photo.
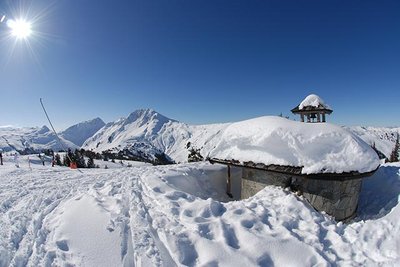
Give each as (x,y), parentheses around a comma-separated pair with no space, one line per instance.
(202,61)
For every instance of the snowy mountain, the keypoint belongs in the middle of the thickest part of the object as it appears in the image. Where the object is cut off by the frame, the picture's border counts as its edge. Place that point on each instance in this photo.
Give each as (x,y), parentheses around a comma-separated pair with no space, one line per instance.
(30,140)
(148,135)
(383,138)
(80,132)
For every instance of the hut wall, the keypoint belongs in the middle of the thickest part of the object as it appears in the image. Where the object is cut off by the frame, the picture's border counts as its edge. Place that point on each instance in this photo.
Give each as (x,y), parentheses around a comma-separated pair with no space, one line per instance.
(254,181)
(337,198)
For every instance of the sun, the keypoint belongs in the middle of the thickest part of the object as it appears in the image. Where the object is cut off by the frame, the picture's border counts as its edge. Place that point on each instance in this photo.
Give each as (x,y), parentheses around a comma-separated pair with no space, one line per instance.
(20,28)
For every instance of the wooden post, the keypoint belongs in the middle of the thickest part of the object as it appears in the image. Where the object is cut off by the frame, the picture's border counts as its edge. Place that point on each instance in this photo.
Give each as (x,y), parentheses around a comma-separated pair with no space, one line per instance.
(323,117)
(318,117)
(228,183)
(302,117)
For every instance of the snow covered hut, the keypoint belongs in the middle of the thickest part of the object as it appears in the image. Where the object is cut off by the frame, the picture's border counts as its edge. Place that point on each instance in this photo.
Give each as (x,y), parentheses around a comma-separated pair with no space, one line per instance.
(313,108)
(322,161)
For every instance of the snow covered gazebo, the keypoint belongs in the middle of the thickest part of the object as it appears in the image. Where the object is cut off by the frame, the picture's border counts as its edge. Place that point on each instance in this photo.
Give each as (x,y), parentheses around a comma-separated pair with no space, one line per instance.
(323,162)
(313,108)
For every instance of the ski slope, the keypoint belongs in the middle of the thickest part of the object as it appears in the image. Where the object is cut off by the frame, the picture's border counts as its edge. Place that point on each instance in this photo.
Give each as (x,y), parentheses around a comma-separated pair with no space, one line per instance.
(179,215)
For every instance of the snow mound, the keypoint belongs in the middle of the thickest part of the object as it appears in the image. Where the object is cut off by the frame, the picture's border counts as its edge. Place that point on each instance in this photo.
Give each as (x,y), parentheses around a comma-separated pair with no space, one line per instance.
(317,147)
(314,101)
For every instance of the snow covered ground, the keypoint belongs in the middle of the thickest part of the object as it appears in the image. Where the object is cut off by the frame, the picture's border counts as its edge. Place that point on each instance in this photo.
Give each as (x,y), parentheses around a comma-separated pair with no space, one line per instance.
(164,216)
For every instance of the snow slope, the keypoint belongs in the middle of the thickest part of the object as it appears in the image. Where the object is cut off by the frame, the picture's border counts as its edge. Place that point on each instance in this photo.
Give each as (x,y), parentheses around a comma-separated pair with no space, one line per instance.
(164,216)
(383,138)
(80,132)
(30,139)
(316,147)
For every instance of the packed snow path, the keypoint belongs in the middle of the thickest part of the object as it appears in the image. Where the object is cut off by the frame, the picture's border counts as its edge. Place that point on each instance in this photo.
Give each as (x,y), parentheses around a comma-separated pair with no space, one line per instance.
(178,216)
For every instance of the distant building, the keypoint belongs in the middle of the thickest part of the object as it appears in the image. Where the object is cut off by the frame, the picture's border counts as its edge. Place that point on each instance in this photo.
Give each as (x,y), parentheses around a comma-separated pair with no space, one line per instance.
(312,109)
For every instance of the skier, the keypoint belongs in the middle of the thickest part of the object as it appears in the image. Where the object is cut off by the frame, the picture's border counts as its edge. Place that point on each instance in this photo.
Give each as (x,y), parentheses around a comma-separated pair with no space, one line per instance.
(1,157)
(16,160)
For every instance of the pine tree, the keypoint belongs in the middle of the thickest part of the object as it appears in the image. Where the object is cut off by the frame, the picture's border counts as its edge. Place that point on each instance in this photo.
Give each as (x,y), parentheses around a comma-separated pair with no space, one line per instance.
(66,161)
(79,159)
(57,160)
(394,156)
(90,163)
(194,155)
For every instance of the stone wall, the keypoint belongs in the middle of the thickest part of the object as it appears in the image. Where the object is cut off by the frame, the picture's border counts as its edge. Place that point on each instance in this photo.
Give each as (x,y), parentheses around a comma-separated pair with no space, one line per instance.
(337,198)
(254,180)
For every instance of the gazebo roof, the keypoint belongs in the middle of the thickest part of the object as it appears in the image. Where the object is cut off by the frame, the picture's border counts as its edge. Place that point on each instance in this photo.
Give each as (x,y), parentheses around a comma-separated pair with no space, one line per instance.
(312,103)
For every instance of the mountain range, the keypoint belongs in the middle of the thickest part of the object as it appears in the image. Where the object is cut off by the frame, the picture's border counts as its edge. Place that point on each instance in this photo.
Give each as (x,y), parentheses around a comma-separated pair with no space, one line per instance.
(150,136)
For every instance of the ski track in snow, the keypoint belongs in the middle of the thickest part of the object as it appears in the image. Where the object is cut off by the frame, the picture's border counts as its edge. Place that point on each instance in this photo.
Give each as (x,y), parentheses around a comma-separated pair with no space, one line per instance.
(160,216)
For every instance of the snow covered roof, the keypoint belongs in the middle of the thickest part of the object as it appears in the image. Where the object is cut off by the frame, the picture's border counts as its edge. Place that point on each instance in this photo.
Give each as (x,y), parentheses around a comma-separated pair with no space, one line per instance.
(316,148)
(312,102)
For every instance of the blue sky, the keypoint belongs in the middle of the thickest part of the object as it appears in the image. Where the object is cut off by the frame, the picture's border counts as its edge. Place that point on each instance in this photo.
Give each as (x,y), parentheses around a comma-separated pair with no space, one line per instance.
(201,61)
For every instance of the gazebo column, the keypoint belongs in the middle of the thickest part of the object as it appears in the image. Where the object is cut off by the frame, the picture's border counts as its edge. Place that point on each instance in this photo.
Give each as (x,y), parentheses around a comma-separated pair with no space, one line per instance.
(302,117)
(318,117)
(323,117)
(308,118)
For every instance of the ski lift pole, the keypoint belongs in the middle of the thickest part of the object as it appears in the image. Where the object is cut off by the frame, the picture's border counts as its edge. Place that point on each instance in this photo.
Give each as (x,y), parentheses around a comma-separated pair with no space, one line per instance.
(72,163)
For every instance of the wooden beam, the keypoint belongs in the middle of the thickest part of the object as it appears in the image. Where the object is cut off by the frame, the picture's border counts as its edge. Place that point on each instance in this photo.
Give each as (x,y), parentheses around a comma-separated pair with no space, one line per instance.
(228,183)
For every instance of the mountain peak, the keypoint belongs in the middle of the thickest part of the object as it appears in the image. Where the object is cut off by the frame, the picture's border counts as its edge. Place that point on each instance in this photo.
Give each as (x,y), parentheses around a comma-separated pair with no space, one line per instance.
(78,133)
(44,129)
(146,115)
(95,120)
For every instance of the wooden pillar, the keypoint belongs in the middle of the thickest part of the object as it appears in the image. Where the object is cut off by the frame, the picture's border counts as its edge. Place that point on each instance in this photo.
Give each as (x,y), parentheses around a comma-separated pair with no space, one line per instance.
(308,118)
(318,117)
(323,117)
(228,183)
(302,117)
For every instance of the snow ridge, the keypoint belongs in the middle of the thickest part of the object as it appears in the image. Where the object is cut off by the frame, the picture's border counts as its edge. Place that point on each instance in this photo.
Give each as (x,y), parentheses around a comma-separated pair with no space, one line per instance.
(80,132)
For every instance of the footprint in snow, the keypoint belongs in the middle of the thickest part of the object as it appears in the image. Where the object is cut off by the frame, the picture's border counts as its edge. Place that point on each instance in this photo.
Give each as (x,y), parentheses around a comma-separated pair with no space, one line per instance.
(62,245)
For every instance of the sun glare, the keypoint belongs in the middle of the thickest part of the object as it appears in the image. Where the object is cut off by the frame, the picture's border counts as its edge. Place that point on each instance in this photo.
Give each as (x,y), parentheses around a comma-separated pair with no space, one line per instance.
(20,28)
